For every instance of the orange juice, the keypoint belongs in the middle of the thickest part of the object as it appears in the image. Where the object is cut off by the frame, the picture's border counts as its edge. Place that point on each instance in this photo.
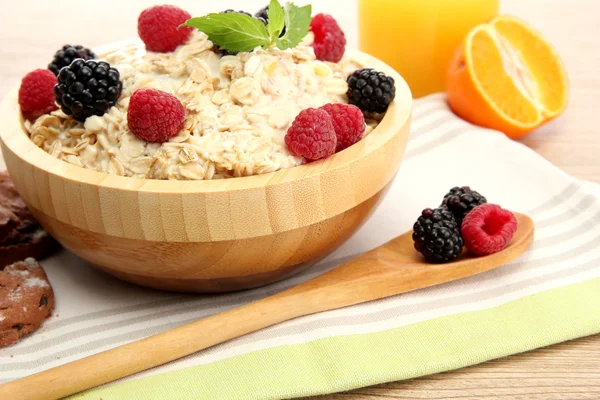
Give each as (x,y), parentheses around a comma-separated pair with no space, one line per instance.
(418,37)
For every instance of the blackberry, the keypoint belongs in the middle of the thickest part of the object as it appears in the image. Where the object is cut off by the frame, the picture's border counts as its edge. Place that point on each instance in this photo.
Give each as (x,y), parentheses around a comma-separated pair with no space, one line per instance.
(263,16)
(87,88)
(461,200)
(437,235)
(65,56)
(370,90)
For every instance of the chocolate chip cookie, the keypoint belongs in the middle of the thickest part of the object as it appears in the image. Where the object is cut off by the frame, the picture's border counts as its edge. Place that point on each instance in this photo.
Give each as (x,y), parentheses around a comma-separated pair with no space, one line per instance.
(20,234)
(26,300)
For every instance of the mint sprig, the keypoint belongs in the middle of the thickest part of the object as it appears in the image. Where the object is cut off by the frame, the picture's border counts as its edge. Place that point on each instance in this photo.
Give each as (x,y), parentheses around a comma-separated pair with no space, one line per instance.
(238,32)
(276,20)
(297,24)
(233,32)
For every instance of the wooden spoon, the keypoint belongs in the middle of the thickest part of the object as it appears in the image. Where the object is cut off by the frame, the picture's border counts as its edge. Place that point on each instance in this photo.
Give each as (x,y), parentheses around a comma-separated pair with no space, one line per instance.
(388,270)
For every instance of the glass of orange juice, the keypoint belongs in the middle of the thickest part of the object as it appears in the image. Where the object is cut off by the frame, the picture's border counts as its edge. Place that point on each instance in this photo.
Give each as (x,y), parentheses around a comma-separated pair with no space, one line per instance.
(419,37)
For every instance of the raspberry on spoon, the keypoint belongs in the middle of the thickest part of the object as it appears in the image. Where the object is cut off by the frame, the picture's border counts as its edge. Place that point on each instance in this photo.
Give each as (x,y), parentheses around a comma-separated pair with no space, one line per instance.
(488,228)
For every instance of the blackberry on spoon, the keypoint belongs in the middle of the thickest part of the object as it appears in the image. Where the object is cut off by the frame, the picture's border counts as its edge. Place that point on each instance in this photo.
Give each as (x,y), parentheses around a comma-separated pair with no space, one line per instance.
(437,235)
(461,200)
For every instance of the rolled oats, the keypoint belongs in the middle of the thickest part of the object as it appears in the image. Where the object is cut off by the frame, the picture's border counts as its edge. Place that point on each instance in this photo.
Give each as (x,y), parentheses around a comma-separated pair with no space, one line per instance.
(38,140)
(238,110)
(115,167)
(191,170)
(243,91)
(221,97)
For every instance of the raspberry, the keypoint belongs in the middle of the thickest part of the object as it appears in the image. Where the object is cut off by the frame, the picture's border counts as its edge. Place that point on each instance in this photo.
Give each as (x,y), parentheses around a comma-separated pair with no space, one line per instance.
(488,228)
(36,94)
(159,28)
(311,135)
(330,41)
(348,122)
(154,115)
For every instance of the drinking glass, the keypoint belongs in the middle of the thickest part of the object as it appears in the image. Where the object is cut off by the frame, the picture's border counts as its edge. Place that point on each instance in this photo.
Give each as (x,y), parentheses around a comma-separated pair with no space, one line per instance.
(419,37)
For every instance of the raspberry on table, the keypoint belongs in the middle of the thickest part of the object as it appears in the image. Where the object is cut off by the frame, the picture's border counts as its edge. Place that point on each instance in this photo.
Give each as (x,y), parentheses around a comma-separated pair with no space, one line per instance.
(348,122)
(370,90)
(461,200)
(154,115)
(437,235)
(160,28)
(87,87)
(330,41)
(36,94)
(312,135)
(65,56)
(488,228)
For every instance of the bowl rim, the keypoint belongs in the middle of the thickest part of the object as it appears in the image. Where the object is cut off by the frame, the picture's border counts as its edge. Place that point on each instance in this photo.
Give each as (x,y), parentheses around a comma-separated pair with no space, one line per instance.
(15,138)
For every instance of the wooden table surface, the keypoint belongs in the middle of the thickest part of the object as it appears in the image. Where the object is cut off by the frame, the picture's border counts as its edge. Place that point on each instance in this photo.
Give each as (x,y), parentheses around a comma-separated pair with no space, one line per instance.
(32,30)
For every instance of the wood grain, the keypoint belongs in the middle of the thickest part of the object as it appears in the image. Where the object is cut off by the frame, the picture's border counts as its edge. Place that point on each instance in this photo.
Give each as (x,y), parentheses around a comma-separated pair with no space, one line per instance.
(561,372)
(387,270)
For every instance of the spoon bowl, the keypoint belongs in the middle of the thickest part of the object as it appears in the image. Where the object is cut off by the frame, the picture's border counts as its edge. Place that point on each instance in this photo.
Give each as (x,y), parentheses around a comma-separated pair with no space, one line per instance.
(388,270)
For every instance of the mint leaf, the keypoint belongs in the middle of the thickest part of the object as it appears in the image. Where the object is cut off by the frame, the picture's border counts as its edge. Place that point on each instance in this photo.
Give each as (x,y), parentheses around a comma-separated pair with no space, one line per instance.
(233,32)
(297,23)
(276,20)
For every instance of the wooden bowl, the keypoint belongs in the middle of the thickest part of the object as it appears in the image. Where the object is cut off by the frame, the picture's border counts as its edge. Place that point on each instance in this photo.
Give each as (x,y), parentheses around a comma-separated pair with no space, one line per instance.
(208,236)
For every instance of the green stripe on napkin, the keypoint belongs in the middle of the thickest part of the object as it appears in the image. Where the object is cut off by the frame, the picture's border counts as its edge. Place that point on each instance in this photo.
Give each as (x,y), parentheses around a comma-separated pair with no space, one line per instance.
(346,362)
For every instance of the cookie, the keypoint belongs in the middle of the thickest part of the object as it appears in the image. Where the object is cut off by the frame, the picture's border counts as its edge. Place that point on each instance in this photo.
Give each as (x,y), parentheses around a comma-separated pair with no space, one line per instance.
(10,199)
(28,240)
(20,234)
(26,300)
(8,223)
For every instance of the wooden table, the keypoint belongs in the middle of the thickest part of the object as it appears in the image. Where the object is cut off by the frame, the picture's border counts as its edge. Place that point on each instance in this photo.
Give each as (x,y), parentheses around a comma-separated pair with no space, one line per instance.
(32,30)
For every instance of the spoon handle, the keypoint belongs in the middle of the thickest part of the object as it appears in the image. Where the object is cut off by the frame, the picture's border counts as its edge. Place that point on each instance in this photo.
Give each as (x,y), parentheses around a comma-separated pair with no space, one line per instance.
(390,269)
(140,355)
(325,292)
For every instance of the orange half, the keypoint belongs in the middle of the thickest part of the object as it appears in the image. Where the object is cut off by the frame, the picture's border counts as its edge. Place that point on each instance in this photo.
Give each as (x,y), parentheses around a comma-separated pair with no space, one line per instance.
(506,76)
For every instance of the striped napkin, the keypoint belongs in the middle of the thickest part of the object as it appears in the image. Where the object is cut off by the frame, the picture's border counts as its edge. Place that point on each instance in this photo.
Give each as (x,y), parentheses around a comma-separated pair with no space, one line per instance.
(550,294)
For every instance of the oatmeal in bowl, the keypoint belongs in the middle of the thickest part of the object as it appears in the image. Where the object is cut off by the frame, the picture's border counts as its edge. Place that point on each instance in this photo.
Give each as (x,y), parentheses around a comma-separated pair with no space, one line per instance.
(237,107)
(119,153)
